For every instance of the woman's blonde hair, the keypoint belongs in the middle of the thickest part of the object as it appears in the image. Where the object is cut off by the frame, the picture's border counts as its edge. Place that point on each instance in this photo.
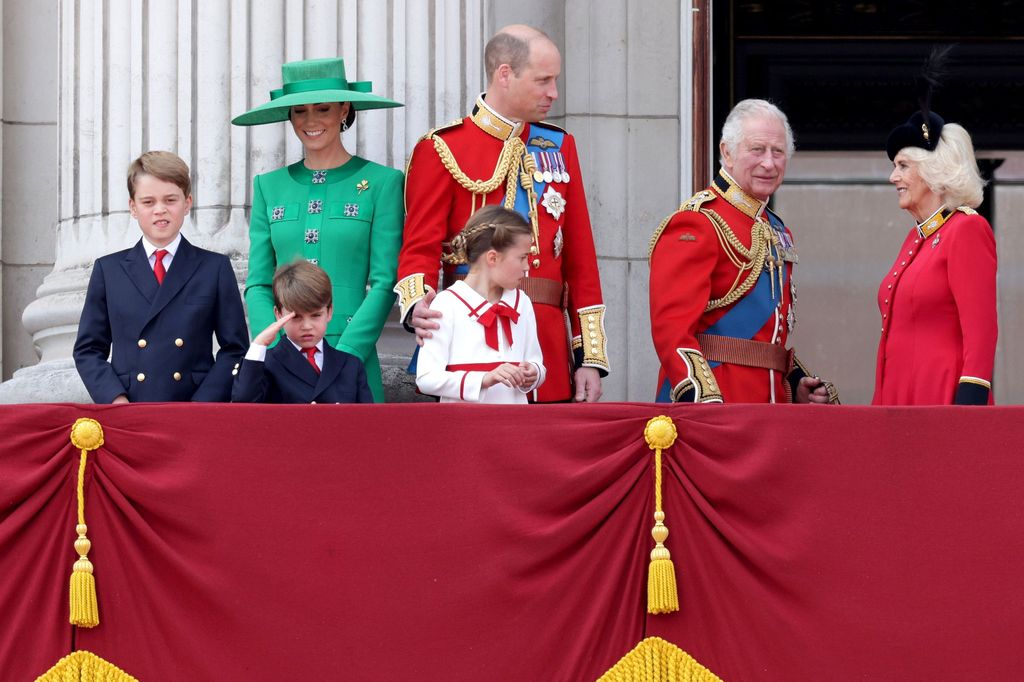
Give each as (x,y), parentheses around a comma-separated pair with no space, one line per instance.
(951,171)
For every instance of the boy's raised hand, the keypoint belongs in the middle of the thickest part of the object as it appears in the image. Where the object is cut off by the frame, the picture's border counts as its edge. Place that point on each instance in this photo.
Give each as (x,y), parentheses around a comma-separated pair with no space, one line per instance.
(268,335)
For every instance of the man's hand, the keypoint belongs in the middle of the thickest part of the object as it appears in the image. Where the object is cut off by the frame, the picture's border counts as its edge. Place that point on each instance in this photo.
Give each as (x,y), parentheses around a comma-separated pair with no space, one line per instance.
(268,335)
(588,385)
(120,400)
(422,319)
(506,373)
(811,390)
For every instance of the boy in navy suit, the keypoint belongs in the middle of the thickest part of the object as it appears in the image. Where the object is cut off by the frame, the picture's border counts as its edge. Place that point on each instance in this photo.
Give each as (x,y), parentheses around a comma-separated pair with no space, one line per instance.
(302,368)
(160,303)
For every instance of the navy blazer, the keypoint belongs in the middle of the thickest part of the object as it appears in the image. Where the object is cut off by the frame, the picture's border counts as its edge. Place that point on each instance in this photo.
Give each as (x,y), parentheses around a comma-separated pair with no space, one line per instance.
(286,376)
(162,335)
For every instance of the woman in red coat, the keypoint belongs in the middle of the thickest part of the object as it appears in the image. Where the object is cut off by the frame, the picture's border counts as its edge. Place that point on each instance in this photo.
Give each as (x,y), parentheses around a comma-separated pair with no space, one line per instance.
(938,300)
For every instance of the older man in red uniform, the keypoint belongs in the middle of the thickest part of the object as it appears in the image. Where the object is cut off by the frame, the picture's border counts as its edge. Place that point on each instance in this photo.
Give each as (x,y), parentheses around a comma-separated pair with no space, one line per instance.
(501,153)
(722,291)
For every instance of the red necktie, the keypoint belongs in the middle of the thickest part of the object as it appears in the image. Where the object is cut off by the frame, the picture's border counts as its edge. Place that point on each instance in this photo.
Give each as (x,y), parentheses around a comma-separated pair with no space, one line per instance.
(311,356)
(489,320)
(158,266)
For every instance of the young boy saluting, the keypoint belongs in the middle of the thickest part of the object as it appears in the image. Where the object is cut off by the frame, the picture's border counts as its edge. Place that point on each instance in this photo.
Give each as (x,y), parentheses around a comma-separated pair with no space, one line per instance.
(302,368)
(160,303)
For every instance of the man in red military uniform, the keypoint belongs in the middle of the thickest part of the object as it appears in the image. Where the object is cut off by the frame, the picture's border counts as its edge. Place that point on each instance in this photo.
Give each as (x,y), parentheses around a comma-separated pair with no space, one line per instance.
(502,154)
(722,289)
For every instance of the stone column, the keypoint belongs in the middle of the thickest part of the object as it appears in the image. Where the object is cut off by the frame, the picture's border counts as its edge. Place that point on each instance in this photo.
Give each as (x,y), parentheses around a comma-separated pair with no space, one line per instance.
(628,103)
(170,75)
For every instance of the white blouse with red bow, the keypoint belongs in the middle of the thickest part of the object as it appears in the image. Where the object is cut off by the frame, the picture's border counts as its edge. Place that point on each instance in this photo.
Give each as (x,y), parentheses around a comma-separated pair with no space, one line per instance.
(475,337)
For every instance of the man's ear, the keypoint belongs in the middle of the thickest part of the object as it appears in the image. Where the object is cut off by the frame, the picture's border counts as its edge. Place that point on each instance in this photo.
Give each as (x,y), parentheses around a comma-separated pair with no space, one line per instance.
(131,208)
(723,149)
(503,74)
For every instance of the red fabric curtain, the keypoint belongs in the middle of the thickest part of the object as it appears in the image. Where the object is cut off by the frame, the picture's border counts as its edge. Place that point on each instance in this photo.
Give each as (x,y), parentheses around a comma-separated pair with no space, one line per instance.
(464,542)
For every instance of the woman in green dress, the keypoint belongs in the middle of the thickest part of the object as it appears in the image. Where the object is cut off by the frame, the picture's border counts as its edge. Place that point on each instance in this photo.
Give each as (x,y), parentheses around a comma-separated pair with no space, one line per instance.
(332,208)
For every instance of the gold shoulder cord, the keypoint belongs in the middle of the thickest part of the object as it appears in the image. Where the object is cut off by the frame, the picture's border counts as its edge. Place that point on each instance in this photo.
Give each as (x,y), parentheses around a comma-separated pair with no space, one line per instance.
(750,261)
(512,161)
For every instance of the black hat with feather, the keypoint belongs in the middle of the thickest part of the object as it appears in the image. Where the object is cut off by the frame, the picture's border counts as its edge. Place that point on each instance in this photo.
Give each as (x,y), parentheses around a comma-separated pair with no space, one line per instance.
(925,126)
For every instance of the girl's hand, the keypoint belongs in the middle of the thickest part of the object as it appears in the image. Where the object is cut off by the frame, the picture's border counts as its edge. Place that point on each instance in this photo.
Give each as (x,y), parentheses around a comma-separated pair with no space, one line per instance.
(507,374)
(268,335)
(527,375)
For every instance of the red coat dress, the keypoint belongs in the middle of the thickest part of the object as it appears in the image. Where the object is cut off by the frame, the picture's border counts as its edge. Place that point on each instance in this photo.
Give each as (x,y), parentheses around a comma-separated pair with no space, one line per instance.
(706,279)
(570,311)
(938,306)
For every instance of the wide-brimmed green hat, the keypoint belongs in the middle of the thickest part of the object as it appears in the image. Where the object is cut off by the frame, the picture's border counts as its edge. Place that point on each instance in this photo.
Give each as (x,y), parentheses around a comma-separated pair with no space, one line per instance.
(309,82)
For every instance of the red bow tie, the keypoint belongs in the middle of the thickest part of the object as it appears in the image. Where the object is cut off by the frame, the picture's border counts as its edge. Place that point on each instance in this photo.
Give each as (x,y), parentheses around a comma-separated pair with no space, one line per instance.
(489,320)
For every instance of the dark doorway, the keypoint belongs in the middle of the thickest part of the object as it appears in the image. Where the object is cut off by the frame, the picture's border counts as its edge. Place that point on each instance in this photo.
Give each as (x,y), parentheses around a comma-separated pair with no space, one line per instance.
(844,70)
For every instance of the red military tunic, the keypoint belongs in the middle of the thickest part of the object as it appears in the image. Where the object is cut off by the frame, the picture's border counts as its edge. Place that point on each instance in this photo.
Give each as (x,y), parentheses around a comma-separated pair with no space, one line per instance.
(707,278)
(482,151)
(938,306)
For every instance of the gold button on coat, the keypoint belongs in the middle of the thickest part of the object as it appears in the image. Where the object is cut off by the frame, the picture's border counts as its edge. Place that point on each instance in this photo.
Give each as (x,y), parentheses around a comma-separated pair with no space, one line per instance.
(179,343)
(177,376)
(140,377)
(142,343)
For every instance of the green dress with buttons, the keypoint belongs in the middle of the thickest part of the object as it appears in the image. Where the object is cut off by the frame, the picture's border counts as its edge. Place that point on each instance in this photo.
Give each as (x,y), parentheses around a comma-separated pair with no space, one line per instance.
(348,220)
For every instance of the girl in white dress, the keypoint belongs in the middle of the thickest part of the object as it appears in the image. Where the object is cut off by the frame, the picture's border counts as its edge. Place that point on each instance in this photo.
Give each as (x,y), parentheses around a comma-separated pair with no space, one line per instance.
(486,350)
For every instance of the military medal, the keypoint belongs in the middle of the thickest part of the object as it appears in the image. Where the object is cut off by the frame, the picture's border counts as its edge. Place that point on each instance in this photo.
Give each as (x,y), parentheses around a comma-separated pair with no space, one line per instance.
(548,177)
(557,167)
(559,243)
(561,165)
(553,203)
(538,175)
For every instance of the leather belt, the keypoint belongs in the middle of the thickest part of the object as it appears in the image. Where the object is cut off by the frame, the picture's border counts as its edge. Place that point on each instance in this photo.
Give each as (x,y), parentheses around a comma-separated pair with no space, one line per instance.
(745,352)
(539,289)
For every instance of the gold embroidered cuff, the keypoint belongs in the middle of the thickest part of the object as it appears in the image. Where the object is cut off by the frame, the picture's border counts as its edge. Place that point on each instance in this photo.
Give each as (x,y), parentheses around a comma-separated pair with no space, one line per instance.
(410,290)
(976,380)
(699,376)
(594,341)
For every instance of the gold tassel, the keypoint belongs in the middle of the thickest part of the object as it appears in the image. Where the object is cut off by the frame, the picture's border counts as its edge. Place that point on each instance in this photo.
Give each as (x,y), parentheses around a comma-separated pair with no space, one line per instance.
(84,665)
(86,434)
(662,593)
(655,660)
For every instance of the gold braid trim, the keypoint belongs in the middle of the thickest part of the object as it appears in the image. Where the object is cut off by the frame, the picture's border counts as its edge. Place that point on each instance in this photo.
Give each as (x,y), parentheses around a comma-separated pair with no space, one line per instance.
(84,665)
(508,163)
(655,660)
(691,204)
(750,260)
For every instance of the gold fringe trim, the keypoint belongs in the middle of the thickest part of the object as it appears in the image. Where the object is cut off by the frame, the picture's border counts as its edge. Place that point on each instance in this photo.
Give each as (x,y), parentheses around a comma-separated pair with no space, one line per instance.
(662,593)
(83,665)
(86,434)
(655,660)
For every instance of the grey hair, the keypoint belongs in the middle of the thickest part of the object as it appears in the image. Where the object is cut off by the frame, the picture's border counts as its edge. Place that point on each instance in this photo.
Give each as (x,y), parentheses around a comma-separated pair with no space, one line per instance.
(732,129)
(950,171)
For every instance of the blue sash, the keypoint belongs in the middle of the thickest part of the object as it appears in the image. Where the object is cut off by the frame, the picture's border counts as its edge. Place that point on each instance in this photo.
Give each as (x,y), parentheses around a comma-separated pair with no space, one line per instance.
(753,311)
(554,137)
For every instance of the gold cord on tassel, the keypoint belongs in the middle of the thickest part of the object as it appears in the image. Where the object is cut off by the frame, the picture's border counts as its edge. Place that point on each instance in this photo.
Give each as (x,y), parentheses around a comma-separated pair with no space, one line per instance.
(662,594)
(86,435)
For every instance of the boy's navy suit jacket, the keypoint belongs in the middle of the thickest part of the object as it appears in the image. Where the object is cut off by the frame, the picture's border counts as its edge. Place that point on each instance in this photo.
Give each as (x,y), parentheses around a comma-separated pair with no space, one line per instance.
(162,335)
(286,376)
